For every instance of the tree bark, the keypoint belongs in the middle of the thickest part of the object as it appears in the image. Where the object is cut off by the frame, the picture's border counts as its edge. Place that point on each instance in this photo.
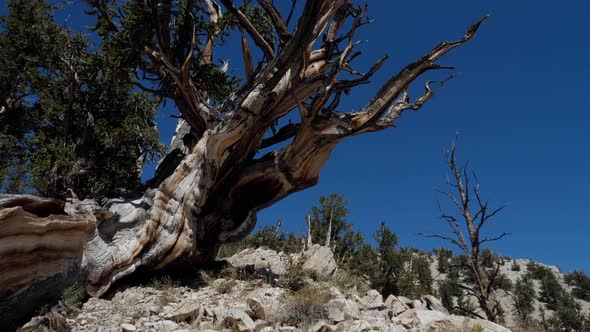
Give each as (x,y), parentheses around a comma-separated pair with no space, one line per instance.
(309,240)
(329,233)
(209,187)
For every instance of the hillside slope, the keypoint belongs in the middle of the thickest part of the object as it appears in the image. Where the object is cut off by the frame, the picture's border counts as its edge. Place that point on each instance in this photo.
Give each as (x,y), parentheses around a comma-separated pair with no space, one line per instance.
(516,269)
(263,291)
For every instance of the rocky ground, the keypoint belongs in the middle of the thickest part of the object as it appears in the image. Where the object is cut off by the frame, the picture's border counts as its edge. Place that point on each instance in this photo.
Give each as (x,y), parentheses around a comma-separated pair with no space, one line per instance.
(505,297)
(265,294)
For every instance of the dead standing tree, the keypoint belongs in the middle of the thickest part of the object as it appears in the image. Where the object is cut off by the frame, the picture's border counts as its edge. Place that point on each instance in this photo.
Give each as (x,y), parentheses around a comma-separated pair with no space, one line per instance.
(210,192)
(475,214)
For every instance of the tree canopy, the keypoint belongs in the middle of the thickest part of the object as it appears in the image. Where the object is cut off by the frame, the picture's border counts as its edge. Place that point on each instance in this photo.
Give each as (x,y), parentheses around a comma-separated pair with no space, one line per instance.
(70,116)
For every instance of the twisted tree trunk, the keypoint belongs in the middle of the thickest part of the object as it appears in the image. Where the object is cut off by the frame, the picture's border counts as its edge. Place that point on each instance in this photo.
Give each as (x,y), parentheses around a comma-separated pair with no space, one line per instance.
(209,187)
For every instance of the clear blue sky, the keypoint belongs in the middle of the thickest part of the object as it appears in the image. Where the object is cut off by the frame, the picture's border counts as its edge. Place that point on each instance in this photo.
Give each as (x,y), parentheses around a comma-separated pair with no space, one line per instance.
(520,108)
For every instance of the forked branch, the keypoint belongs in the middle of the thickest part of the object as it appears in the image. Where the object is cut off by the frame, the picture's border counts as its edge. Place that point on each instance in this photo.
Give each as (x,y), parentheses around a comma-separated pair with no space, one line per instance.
(249,27)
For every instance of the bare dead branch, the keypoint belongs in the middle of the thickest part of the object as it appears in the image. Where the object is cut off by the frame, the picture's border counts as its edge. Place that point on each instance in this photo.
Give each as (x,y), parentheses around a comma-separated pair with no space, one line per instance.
(400,105)
(347,84)
(286,132)
(452,198)
(249,67)
(399,83)
(469,312)
(189,56)
(493,238)
(277,20)
(446,238)
(293,4)
(215,15)
(339,18)
(249,27)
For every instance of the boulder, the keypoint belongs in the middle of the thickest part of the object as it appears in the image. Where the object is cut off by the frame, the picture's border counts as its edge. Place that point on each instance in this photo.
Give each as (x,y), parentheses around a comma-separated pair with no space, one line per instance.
(373,299)
(238,320)
(342,309)
(261,258)
(269,298)
(126,327)
(183,311)
(335,293)
(404,300)
(51,321)
(390,327)
(468,324)
(256,308)
(417,304)
(395,305)
(323,327)
(320,261)
(353,326)
(161,326)
(417,318)
(432,303)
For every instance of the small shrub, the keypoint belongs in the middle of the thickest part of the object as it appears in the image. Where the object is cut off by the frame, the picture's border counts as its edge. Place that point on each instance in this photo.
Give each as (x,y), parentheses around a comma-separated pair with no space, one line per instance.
(294,278)
(223,281)
(345,280)
(552,293)
(304,307)
(73,296)
(524,299)
(515,266)
(225,286)
(477,328)
(162,283)
(207,278)
(443,258)
(502,282)
(489,258)
(580,283)
(44,309)
(229,249)
(538,271)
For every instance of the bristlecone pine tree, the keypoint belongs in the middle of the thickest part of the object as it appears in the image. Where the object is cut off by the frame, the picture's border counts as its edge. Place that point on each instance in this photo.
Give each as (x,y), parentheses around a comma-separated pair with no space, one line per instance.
(209,187)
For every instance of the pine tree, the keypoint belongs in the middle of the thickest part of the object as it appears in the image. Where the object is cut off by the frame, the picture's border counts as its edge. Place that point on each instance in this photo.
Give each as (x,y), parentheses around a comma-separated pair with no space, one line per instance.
(71,118)
(329,221)
(524,298)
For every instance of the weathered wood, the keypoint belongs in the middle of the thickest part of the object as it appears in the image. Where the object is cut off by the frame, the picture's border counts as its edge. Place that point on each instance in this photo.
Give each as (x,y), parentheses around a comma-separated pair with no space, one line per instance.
(40,253)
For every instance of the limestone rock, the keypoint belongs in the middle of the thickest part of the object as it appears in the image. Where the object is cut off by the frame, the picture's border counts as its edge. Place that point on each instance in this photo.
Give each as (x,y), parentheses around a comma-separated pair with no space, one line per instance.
(390,327)
(373,299)
(419,318)
(183,311)
(323,327)
(416,304)
(320,261)
(257,308)
(261,258)
(162,326)
(342,309)
(268,297)
(51,322)
(335,293)
(353,326)
(432,303)
(236,319)
(394,304)
(461,323)
(126,327)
